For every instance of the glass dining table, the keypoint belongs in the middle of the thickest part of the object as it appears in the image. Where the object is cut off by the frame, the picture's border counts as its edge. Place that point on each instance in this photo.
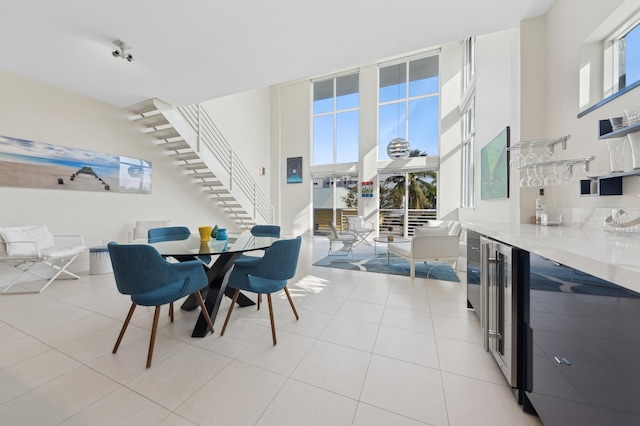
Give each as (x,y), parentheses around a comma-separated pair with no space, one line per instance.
(192,248)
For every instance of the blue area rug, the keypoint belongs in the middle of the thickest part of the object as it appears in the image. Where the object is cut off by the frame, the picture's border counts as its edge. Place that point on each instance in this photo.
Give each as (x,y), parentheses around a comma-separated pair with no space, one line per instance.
(397,266)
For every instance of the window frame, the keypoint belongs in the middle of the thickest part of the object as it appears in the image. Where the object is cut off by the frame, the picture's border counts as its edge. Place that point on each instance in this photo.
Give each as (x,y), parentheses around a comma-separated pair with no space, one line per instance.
(612,60)
(467,166)
(334,113)
(407,99)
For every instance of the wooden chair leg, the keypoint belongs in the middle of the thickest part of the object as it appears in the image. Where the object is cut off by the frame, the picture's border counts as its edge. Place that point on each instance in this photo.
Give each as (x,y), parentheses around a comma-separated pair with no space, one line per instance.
(203,308)
(233,303)
(286,290)
(171,310)
(154,329)
(259,300)
(124,327)
(273,324)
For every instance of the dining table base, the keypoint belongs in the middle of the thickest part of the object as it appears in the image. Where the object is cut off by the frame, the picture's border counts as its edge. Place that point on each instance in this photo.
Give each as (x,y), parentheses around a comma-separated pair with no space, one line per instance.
(213,293)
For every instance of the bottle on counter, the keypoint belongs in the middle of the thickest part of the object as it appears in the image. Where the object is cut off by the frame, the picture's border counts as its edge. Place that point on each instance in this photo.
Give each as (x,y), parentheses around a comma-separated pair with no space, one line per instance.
(541,206)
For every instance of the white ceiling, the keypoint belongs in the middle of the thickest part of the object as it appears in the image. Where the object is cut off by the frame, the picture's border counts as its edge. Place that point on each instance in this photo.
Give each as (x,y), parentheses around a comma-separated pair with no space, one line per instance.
(190,51)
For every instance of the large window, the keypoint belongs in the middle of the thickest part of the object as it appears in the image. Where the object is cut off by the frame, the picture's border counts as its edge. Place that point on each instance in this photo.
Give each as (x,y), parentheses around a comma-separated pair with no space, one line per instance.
(468,123)
(625,56)
(469,65)
(409,105)
(468,139)
(335,120)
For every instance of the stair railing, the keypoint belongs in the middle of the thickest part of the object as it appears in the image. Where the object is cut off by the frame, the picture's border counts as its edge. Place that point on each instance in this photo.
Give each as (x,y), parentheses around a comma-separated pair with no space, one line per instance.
(210,137)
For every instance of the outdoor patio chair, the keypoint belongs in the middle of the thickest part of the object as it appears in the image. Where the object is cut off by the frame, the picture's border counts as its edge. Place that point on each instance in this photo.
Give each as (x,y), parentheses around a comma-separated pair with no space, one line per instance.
(359,229)
(347,240)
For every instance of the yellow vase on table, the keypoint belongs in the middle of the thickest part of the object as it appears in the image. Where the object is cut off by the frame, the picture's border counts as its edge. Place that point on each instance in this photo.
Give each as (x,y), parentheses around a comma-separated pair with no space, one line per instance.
(205,233)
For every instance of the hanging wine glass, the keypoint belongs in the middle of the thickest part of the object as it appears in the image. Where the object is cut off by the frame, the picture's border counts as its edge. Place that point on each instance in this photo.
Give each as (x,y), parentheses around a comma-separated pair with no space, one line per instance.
(531,157)
(567,174)
(525,182)
(552,178)
(547,155)
(516,159)
(536,180)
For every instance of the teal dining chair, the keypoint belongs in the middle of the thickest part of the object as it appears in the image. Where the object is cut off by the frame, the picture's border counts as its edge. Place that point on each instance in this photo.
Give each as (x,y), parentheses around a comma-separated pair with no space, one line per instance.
(266,231)
(168,233)
(266,275)
(174,233)
(142,273)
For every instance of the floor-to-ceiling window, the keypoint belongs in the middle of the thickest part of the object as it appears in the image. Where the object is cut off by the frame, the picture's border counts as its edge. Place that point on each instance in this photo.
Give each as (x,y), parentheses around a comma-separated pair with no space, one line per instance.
(335,123)
(408,109)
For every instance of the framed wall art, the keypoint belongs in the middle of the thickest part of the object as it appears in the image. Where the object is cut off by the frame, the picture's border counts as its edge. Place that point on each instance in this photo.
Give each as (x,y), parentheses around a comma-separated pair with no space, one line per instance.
(494,167)
(31,164)
(294,170)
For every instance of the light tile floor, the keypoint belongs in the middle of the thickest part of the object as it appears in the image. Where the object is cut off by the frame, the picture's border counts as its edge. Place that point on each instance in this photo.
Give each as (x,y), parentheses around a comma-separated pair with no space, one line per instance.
(369,349)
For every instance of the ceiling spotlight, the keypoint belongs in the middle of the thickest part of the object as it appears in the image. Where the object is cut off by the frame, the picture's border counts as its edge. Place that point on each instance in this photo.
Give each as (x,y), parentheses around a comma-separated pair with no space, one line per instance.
(121,51)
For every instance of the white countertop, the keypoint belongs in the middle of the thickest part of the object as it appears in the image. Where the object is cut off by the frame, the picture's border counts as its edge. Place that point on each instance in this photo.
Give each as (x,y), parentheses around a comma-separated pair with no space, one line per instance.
(611,257)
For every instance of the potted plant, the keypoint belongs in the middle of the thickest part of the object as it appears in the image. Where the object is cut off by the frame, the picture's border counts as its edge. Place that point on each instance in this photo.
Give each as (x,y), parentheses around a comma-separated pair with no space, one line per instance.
(390,237)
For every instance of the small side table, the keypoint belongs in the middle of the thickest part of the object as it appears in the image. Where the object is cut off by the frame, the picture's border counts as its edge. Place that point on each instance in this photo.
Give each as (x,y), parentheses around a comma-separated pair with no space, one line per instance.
(385,240)
(99,261)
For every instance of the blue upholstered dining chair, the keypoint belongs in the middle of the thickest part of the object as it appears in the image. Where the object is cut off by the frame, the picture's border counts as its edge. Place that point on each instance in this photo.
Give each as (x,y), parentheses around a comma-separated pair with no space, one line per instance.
(169,233)
(141,272)
(266,231)
(174,233)
(265,275)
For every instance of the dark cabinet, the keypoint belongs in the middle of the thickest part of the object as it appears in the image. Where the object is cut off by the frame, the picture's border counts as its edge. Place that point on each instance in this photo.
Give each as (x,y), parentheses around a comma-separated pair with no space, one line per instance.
(582,361)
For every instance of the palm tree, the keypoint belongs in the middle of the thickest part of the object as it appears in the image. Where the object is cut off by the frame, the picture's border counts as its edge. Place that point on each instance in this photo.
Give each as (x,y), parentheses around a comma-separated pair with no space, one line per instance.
(422,187)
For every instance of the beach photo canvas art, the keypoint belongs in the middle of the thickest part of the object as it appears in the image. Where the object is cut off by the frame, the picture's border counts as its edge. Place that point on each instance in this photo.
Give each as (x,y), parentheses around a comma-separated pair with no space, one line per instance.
(31,164)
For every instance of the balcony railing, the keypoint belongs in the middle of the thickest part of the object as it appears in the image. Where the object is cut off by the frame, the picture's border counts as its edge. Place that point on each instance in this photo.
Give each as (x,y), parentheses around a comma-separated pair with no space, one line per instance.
(388,218)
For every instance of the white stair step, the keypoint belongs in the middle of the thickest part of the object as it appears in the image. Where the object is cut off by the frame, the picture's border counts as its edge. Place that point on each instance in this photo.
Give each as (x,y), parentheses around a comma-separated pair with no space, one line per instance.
(210,183)
(228,199)
(175,145)
(203,175)
(155,120)
(168,133)
(143,107)
(194,166)
(185,156)
(218,191)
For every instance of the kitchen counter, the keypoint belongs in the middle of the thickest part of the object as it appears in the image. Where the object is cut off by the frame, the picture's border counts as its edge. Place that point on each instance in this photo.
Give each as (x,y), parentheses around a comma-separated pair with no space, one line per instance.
(611,257)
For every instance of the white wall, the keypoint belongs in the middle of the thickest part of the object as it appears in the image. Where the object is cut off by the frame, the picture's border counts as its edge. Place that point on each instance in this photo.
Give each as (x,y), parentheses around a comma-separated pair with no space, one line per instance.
(563,47)
(291,131)
(35,111)
(245,121)
(497,99)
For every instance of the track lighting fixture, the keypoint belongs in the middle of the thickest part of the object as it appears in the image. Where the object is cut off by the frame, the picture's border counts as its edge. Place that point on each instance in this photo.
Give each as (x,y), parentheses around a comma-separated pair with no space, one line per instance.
(121,51)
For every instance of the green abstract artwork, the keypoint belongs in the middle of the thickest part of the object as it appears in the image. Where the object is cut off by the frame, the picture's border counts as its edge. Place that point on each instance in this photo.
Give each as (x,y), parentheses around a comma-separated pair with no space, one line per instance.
(494,168)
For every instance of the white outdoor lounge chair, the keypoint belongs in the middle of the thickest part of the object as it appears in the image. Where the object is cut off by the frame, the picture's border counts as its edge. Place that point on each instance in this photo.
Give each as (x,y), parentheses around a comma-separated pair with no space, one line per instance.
(346,239)
(23,247)
(357,226)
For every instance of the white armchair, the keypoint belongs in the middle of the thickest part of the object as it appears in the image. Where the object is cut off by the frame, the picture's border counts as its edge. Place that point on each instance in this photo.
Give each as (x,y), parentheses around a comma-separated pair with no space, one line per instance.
(23,247)
(439,240)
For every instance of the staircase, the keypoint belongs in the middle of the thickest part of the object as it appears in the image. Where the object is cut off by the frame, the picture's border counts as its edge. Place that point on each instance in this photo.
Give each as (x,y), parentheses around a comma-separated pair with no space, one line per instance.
(197,146)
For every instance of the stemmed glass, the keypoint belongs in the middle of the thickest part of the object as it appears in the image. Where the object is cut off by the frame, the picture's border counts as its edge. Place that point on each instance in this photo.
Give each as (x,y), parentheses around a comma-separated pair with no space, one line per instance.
(536,181)
(552,178)
(526,179)
(530,157)
(547,155)
(567,175)
(516,159)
